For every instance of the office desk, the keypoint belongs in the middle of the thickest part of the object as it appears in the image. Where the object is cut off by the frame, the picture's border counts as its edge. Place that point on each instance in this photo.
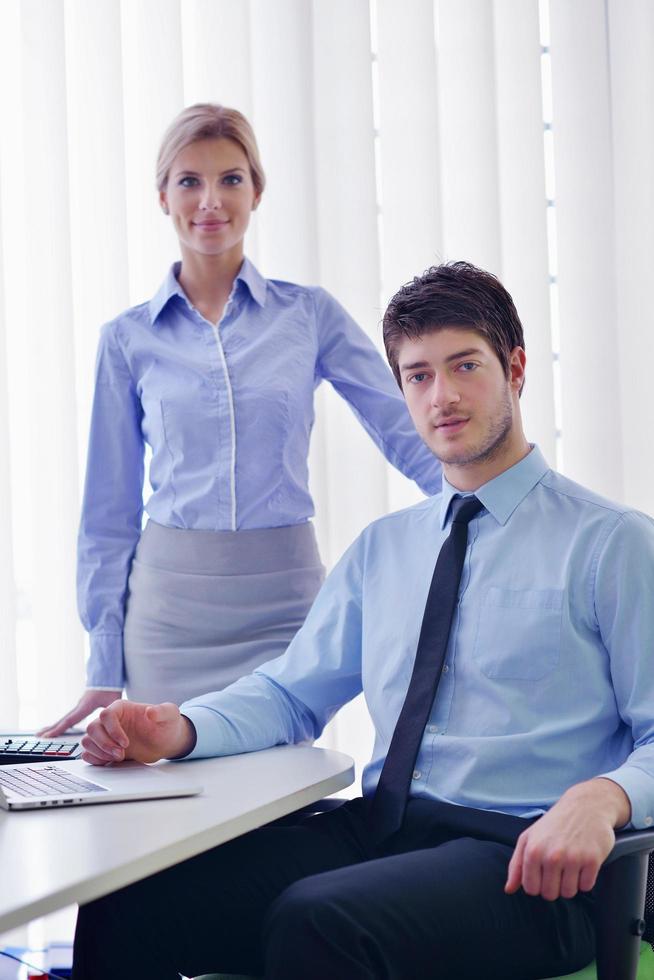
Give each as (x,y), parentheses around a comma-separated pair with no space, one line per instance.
(53,858)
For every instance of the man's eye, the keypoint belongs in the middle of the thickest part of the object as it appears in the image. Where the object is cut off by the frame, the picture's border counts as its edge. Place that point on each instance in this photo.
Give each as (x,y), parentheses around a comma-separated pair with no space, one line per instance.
(417,379)
(467,366)
(188,182)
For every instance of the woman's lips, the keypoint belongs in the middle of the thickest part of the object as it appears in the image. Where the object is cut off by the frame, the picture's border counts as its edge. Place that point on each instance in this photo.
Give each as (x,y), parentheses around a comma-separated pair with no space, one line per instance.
(209,225)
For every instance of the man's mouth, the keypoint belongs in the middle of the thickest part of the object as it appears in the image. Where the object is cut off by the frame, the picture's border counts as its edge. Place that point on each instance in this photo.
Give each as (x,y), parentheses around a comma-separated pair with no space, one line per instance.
(451,424)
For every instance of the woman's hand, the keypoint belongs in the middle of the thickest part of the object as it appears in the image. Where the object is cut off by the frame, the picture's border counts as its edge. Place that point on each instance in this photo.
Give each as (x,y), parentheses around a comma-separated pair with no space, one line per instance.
(88,702)
(145,732)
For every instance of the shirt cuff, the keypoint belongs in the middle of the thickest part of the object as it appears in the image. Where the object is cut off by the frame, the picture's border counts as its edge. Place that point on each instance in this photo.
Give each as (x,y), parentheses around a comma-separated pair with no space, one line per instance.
(207,728)
(105,664)
(637,785)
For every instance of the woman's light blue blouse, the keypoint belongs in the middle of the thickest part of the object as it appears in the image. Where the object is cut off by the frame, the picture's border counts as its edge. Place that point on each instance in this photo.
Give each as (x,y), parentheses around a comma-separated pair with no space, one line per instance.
(227,411)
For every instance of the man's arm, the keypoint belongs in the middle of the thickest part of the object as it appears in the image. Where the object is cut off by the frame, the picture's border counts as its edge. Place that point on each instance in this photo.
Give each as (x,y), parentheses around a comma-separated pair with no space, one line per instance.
(286,700)
(561,854)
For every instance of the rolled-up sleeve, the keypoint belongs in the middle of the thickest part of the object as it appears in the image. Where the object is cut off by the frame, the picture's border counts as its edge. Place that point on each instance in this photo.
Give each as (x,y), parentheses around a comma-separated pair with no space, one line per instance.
(111,511)
(352,364)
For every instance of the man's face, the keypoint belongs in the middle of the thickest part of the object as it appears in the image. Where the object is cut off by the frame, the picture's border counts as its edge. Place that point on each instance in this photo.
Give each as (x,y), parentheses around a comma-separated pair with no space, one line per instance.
(460,400)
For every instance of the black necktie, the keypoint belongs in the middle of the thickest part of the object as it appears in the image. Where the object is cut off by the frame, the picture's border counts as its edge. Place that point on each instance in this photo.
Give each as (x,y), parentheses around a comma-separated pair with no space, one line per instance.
(389,802)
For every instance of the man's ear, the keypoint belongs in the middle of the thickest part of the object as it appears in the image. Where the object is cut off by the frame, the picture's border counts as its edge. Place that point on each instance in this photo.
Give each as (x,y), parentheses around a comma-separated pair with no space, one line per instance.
(517,368)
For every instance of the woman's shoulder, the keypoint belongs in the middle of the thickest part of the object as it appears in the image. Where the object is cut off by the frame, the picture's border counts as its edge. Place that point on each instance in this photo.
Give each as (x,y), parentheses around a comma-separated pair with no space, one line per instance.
(129,319)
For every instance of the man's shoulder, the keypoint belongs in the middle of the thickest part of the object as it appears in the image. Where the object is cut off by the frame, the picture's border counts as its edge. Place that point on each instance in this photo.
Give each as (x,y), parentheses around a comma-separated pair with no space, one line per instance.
(562,485)
(587,503)
(401,521)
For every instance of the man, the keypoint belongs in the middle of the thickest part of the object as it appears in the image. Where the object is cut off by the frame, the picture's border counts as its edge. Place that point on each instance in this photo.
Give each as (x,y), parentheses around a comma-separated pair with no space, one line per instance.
(476,850)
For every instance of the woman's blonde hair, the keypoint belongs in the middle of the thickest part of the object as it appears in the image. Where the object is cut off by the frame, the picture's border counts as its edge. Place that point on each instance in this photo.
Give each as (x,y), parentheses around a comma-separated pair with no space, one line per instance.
(207,120)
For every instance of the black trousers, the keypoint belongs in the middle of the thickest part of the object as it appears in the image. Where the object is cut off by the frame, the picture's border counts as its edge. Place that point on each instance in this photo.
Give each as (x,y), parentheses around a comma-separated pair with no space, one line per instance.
(315,900)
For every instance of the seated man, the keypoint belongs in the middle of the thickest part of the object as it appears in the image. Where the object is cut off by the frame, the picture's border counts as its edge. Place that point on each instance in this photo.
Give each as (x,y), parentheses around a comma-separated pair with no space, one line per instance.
(510,688)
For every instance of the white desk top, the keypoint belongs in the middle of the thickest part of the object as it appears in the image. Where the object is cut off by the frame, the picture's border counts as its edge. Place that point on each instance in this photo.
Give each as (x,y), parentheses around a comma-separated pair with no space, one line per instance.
(53,858)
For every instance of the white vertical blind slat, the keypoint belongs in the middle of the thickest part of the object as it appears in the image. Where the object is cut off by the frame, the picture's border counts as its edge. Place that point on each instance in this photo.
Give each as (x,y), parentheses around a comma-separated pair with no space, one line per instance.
(468,132)
(521,176)
(216,54)
(153,94)
(348,257)
(410,176)
(47,320)
(97,184)
(585,245)
(9,685)
(409,150)
(9,58)
(631,35)
(282,91)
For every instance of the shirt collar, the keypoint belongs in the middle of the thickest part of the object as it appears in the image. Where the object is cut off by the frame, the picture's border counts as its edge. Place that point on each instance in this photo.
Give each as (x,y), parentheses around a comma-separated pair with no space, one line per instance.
(247,274)
(501,495)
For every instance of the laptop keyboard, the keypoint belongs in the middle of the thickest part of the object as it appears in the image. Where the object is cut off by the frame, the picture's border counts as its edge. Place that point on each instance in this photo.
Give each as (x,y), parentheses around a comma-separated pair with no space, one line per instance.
(45,781)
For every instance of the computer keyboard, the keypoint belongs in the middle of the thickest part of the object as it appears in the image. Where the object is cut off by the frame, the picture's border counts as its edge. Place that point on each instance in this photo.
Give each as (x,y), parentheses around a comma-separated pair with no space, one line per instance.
(28,748)
(45,781)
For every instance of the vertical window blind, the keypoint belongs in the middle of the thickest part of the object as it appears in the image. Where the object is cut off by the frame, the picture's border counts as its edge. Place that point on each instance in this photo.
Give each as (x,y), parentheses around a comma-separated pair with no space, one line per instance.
(511,133)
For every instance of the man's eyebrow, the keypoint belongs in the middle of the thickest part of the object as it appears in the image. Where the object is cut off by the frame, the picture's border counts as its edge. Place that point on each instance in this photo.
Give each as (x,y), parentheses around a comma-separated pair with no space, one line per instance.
(452,357)
(463,353)
(412,367)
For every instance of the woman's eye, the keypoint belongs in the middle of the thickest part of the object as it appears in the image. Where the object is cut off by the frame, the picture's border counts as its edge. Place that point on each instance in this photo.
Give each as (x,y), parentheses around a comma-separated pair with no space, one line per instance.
(188,182)
(232,180)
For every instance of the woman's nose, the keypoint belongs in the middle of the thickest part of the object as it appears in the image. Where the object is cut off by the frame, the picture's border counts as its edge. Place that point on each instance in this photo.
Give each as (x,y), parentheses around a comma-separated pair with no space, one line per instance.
(211,200)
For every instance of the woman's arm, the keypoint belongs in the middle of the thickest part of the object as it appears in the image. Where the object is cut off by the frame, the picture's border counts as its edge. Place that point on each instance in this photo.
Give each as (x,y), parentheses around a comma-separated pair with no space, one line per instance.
(350,361)
(110,525)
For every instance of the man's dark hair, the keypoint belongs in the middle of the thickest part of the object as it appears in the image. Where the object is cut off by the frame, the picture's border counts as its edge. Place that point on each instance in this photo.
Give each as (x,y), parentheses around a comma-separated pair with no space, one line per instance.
(456,294)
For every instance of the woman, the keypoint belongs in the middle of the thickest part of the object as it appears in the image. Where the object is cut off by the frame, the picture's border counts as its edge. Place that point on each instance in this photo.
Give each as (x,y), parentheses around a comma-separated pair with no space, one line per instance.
(216,374)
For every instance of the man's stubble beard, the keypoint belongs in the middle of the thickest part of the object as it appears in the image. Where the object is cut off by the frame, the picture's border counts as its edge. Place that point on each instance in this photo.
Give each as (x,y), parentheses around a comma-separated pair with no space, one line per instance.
(493,443)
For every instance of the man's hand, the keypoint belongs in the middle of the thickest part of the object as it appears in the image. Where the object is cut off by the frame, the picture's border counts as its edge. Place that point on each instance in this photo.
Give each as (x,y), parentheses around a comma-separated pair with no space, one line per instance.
(88,702)
(561,854)
(145,732)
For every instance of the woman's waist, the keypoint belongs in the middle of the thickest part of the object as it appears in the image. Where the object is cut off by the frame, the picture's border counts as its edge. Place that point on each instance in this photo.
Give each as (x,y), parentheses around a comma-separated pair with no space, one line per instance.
(243,552)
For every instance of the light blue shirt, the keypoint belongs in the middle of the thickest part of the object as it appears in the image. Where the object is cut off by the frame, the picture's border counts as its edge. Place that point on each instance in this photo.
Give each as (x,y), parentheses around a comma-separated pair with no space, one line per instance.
(227,410)
(549,673)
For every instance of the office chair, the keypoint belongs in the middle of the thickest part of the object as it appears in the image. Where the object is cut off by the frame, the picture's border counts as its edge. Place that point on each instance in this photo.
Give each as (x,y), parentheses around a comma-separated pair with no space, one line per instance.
(625,906)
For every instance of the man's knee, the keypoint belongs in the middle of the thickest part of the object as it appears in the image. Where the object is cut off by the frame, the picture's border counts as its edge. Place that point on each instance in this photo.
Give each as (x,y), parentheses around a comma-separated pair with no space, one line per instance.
(312,921)
(312,902)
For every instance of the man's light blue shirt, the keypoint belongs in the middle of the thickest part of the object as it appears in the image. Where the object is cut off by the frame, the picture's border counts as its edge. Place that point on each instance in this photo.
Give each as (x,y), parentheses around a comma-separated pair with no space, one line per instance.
(227,411)
(549,673)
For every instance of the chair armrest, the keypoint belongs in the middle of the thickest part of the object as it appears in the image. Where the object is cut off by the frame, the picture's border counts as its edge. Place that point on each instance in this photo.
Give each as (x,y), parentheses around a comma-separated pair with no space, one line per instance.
(631,842)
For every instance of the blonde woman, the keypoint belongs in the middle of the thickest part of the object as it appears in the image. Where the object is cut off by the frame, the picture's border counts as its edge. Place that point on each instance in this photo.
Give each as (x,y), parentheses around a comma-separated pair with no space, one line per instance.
(216,373)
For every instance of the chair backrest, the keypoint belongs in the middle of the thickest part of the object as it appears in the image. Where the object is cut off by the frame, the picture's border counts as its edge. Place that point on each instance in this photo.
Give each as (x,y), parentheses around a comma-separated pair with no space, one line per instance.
(649,903)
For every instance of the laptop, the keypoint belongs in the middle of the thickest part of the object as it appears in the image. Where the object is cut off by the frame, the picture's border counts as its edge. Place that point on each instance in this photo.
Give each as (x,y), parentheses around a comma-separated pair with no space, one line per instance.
(27,747)
(32,787)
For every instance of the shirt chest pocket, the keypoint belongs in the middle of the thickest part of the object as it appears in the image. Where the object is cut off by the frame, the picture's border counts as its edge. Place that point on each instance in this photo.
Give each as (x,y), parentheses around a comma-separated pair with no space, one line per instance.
(519,633)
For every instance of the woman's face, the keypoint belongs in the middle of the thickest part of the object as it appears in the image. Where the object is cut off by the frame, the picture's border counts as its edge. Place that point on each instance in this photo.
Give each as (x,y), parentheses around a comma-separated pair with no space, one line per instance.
(210,196)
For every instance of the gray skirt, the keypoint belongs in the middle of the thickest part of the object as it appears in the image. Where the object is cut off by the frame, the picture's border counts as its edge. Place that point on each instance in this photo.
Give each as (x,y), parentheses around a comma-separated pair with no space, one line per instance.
(206,607)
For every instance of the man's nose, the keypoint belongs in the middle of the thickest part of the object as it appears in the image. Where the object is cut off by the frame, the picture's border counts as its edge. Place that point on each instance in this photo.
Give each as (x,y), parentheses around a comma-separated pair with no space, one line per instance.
(443,391)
